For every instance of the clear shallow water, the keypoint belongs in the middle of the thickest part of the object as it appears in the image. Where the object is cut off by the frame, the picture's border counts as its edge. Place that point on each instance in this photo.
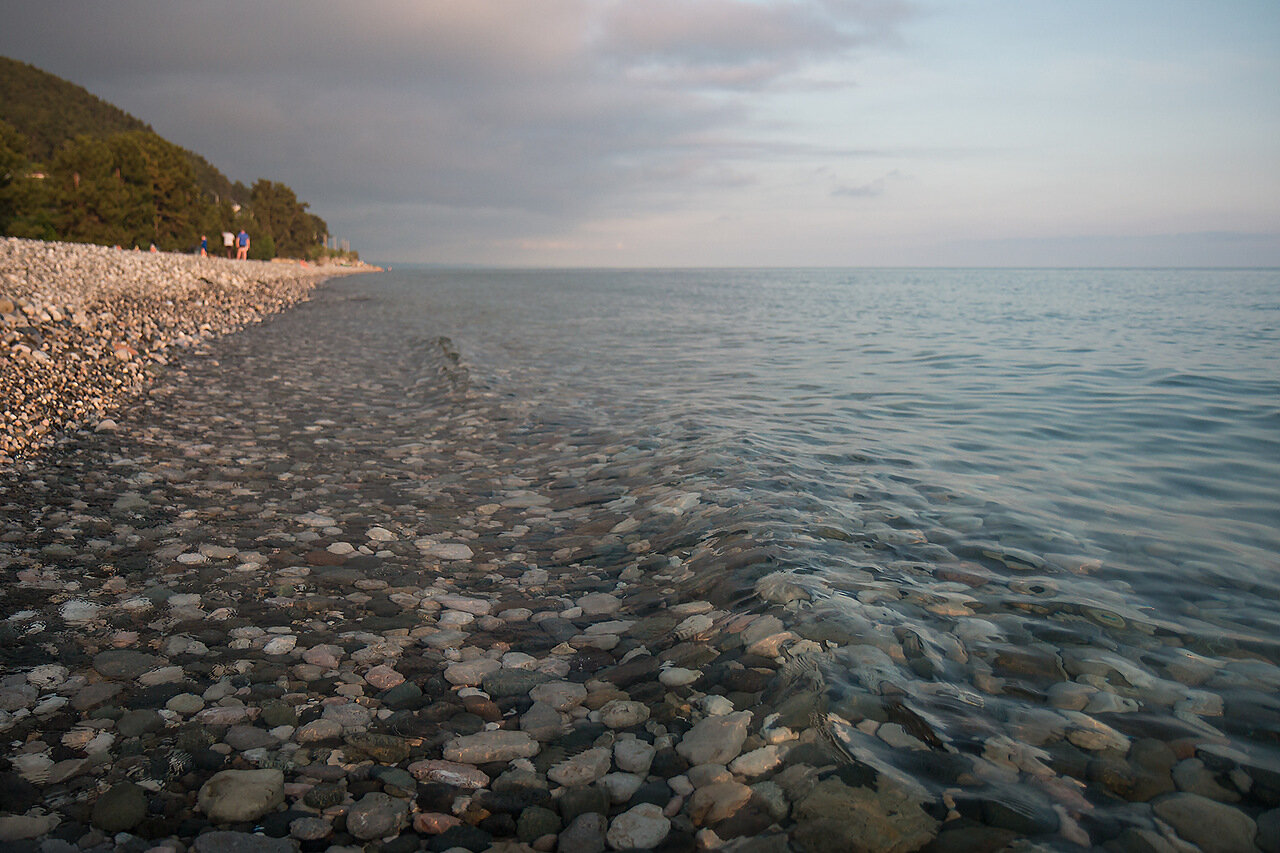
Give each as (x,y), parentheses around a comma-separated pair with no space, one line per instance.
(998,488)
(1001,545)
(1126,417)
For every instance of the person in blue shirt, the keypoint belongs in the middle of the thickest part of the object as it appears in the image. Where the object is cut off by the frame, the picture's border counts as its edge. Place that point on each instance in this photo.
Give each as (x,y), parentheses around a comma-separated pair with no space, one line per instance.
(204,246)
(242,241)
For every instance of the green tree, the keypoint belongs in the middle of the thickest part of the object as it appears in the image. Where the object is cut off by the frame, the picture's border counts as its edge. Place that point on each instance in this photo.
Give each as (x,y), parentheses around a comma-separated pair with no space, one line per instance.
(130,188)
(317,231)
(24,205)
(96,196)
(262,248)
(50,111)
(111,179)
(280,215)
(179,207)
(13,169)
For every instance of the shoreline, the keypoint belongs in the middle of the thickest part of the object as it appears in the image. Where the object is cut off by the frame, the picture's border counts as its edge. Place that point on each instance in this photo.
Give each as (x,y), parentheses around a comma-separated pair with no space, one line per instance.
(315,597)
(82,327)
(214,650)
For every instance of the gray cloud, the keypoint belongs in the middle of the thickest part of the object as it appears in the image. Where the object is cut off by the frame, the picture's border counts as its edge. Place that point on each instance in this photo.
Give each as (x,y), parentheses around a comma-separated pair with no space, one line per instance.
(1188,249)
(506,118)
(719,35)
(736,43)
(871,189)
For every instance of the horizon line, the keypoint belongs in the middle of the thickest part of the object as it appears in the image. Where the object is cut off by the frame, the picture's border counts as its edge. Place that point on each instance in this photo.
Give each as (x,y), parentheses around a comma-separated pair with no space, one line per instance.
(476,267)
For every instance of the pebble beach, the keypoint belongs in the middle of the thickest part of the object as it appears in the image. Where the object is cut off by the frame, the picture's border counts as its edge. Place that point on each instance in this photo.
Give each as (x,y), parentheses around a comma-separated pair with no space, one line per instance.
(273,583)
(80,325)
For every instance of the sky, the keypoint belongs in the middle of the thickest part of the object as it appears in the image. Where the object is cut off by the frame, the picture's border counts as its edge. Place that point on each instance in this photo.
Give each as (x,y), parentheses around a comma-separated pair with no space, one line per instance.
(627,133)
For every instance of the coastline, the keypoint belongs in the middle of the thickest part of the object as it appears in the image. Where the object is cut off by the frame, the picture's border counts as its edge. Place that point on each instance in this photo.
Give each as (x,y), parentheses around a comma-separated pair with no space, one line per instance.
(83,326)
(355,597)
(211,642)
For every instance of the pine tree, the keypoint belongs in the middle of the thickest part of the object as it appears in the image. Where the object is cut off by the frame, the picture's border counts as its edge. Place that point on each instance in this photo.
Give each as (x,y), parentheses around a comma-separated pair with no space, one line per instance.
(95,193)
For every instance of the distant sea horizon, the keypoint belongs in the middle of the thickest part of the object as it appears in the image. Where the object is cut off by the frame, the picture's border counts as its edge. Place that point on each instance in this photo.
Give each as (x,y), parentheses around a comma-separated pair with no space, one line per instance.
(446,267)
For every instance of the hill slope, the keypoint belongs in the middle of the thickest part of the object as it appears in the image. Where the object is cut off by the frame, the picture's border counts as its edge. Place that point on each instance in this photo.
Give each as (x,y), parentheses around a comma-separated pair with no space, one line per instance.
(50,112)
(74,167)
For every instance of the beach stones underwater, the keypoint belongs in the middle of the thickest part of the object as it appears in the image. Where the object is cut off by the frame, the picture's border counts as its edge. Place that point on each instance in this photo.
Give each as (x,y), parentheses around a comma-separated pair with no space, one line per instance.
(334,597)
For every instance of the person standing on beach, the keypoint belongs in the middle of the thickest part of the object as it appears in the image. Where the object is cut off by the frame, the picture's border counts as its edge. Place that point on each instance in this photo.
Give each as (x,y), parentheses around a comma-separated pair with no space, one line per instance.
(228,241)
(242,253)
(204,246)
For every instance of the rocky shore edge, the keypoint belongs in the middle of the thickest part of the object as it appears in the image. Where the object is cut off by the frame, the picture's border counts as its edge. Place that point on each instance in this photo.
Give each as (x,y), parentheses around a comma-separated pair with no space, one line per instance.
(291,622)
(81,326)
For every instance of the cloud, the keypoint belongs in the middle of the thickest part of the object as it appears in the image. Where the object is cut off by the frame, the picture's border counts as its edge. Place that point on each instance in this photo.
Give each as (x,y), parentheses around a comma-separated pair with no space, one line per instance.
(551,111)
(871,189)
(716,30)
(738,44)
(1183,249)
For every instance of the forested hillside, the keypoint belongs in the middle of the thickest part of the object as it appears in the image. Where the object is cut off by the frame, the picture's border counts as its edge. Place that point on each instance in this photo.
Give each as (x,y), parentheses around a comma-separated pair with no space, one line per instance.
(75,168)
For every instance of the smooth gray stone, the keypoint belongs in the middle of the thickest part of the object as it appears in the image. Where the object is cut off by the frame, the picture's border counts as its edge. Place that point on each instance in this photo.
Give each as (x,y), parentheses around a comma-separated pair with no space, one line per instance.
(585,835)
(241,842)
(1213,826)
(124,663)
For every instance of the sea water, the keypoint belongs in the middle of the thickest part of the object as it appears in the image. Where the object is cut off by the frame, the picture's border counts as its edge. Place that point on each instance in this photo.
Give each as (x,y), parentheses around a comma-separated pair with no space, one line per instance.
(1127,420)
(1022,525)
(979,544)
(1045,488)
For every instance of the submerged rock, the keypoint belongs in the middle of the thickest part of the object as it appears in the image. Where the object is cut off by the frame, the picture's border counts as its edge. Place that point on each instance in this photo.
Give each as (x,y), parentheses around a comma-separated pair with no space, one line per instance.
(234,796)
(834,816)
(487,747)
(120,808)
(715,740)
(377,815)
(1212,826)
(638,828)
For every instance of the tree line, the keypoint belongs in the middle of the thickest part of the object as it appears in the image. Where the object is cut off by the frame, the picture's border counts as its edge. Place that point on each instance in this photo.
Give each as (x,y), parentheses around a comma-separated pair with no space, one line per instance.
(75,168)
(135,189)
